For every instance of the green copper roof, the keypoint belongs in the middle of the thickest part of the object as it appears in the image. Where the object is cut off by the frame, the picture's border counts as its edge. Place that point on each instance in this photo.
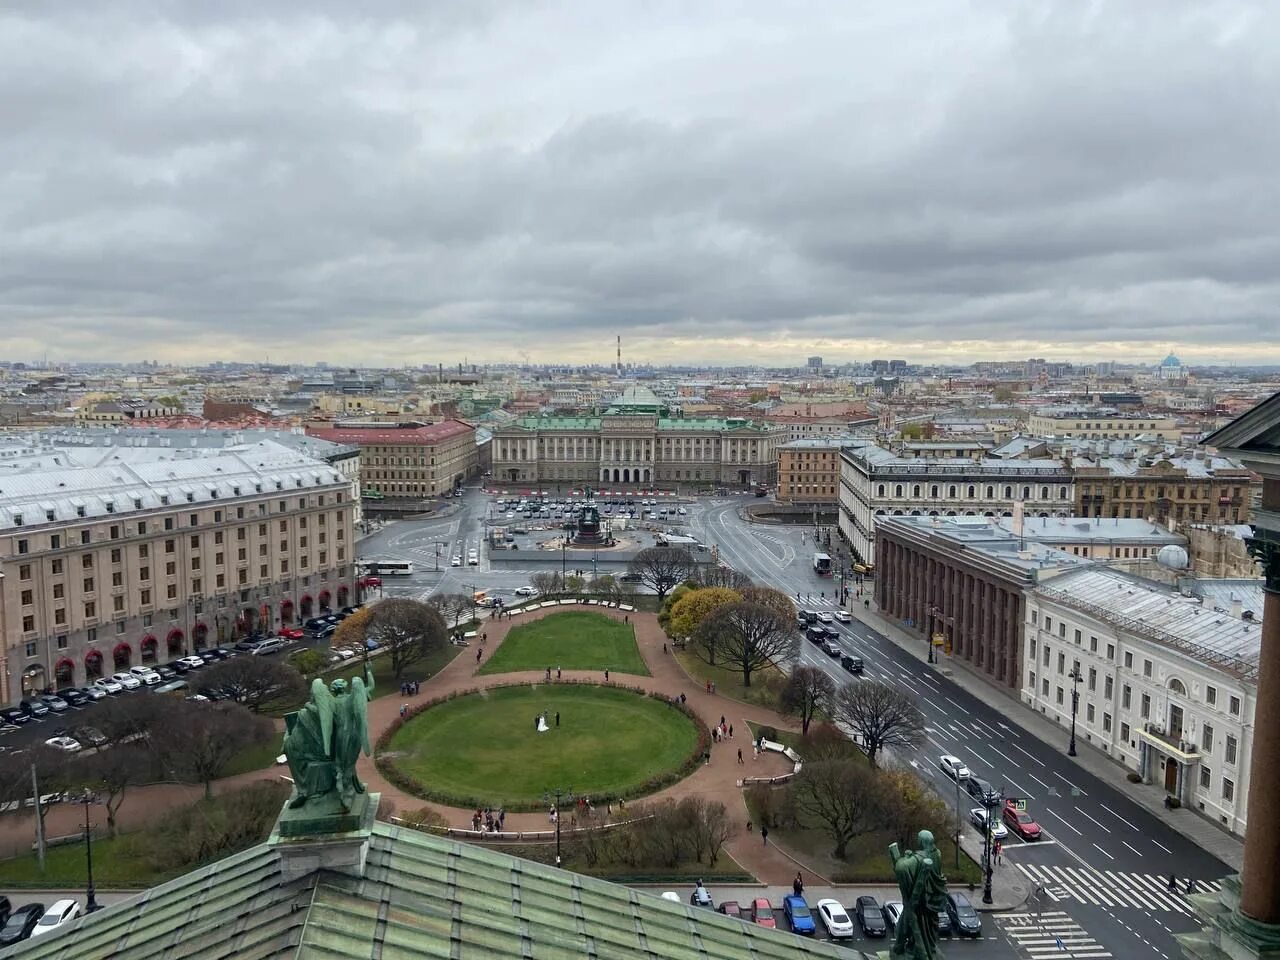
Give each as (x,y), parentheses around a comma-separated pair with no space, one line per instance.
(420,896)
(559,423)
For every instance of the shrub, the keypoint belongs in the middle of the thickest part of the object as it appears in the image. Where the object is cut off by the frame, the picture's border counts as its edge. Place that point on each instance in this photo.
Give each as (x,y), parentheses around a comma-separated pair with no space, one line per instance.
(767,733)
(1133,777)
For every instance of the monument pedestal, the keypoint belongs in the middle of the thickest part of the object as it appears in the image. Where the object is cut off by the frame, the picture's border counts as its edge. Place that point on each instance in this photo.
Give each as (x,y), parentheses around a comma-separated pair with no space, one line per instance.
(322,836)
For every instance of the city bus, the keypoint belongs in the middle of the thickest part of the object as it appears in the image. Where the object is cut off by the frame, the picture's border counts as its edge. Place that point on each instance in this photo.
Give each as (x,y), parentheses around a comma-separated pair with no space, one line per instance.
(822,564)
(385,568)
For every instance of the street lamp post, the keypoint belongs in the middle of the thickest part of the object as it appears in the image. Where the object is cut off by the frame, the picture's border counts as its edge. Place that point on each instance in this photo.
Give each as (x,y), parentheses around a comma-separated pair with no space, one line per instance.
(91,902)
(959,823)
(990,803)
(560,796)
(1075,705)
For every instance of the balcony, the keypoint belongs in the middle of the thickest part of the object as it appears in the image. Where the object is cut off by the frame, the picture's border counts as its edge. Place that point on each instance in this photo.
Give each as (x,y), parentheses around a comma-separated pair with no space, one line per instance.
(1169,743)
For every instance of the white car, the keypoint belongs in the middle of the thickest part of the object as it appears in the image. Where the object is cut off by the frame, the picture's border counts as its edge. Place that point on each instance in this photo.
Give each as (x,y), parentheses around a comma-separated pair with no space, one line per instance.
(108,684)
(844,616)
(345,653)
(526,592)
(455,561)
(892,911)
(146,675)
(65,744)
(62,911)
(978,817)
(94,692)
(194,663)
(825,616)
(835,919)
(473,560)
(127,680)
(683,512)
(954,768)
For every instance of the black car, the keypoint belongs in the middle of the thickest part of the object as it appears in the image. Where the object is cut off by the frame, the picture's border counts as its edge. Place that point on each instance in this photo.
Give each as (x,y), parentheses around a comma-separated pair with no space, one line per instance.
(217,653)
(870,917)
(14,716)
(20,923)
(166,673)
(981,790)
(832,648)
(852,664)
(178,667)
(34,707)
(964,919)
(74,696)
(816,635)
(809,616)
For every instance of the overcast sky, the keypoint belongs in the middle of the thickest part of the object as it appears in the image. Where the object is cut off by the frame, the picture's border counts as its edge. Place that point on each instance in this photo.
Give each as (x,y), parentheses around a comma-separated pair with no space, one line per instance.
(388,182)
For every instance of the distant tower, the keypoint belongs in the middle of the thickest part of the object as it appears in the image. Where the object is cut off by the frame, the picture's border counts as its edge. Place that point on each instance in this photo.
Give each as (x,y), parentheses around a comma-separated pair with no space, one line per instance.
(619,369)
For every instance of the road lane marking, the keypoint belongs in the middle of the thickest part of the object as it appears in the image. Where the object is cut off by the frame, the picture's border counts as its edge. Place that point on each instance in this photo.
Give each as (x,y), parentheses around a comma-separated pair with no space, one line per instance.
(1130,846)
(1039,781)
(1117,816)
(1089,818)
(1028,755)
(1069,783)
(1064,822)
(1103,852)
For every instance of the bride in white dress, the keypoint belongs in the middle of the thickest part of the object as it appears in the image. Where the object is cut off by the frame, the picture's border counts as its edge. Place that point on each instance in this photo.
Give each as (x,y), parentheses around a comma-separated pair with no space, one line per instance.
(542,723)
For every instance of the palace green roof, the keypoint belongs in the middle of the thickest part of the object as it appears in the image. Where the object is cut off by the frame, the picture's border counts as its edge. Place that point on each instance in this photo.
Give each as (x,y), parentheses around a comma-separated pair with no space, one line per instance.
(420,896)
(664,424)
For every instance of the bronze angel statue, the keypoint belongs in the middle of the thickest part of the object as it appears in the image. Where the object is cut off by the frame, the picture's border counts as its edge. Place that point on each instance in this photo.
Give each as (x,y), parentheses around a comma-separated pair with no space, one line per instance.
(323,740)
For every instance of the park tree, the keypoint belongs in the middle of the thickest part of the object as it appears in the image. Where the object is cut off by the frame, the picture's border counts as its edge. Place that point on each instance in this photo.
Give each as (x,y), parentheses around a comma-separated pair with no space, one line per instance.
(751,636)
(574,584)
(453,607)
(201,739)
(806,694)
(352,631)
(548,583)
(408,630)
(255,682)
(844,796)
(718,575)
(879,715)
(111,773)
(308,661)
(691,610)
(775,600)
(603,586)
(661,568)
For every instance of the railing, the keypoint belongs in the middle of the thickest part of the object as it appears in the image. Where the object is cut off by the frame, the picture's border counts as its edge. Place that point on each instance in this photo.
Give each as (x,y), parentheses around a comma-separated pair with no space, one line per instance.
(787,752)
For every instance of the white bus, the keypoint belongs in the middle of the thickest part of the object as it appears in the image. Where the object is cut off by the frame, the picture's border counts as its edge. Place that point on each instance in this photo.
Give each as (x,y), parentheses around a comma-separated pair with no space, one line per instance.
(385,568)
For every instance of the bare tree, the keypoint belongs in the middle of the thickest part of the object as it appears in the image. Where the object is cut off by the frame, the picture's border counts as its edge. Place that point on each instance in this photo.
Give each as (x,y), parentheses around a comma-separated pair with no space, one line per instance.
(691,611)
(807,693)
(775,600)
(201,739)
(452,606)
(844,796)
(751,636)
(254,682)
(408,630)
(546,582)
(718,575)
(110,774)
(661,568)
(603,586)
(879,715)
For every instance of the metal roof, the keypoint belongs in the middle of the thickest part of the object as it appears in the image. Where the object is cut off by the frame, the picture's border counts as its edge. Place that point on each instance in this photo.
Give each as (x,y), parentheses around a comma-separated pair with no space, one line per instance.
(419,896)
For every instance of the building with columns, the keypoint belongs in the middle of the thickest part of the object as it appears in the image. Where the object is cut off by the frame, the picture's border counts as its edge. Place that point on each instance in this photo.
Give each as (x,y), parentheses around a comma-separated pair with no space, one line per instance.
(960,583)
(119,557)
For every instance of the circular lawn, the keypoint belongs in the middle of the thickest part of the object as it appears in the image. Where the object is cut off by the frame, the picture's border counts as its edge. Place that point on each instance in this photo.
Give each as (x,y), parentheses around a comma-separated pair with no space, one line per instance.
(482,749)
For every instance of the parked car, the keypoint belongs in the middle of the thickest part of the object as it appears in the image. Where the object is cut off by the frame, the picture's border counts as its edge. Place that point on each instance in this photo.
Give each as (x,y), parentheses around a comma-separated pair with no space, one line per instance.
(954,767)
(54,702)
(90,736)
(14,716)
(943,923)
(762,913)
(892,911)
(978,817)
(267,647)
(964,919)
(93,692)
(217,653)
(1021,822)
(34,707)
(20,923)
(455,561)
(835,920)
(844,616)
(248,646)
(731,908)
(796,913)
(127,680)
(852,664)
(295,633)
(701,897)
(74,696)
(192,662)
(870,919)
(62,911)
(109,684)
(166,673)
(64,743)
(981,790)
(146,674)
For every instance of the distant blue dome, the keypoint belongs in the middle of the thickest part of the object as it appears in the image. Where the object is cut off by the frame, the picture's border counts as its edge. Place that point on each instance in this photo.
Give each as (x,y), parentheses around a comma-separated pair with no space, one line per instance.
(1171,361)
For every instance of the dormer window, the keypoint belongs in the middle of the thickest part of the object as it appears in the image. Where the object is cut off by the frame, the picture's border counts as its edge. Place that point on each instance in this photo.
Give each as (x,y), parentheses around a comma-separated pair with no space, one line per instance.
(137,503)
(48,514)
(17,519)
(111,506)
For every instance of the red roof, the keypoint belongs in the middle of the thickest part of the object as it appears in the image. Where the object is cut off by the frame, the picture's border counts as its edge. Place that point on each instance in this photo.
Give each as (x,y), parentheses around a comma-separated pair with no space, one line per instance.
(412,436)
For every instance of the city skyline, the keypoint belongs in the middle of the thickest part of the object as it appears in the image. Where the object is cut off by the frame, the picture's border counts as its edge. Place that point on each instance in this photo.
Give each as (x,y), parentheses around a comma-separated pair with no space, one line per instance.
(502,182)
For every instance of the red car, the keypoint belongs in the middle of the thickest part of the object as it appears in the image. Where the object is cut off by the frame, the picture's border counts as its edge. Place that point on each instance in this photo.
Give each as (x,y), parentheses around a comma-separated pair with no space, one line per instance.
(1020,822)
(371,582)
(291,633)
(762,913)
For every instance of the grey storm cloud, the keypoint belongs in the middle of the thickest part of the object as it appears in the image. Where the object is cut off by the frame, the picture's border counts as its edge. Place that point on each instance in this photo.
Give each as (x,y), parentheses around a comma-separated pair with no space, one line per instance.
(403,182)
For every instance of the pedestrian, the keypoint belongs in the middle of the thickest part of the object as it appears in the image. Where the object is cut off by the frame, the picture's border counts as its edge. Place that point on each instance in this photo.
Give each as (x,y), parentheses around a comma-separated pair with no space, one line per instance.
(1191,885)
(708,685)
(484,637)
(866,602)
(404,709)
(606,676)
(797,885)
(715,734)
(557,718)
(1173,883)
(403,689)
(722,719)
(626,618)
(713,686)
(664,648)
(548,674)
(683,698)
(706,759)
(755,751)
(731,731)
(764,834)
(739,755)
(502,818)
(477,656)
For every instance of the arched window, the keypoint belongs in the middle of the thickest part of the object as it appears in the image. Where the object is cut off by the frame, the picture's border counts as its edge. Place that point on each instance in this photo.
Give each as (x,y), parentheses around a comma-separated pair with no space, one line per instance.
(951,491)
(1044,493)
(1176,686)
(1026,493)
(933,491)
(880,490)
(1062,493)
(1008,492)
(991,491)
(973,491)
(897,490)
(915,491)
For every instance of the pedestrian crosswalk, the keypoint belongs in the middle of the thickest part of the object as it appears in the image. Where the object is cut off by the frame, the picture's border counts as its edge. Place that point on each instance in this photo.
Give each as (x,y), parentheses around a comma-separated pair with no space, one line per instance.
(1051,934)
(1112,888)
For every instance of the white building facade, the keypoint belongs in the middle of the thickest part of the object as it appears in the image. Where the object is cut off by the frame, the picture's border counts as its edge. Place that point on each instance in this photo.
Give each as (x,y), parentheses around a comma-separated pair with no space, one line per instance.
(1167,683)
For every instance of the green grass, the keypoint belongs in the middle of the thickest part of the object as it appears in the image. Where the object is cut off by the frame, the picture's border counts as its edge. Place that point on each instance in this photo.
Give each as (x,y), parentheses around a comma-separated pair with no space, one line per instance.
(384,682)
(574,640)
(116,863)
(482,747)
(259,756)
(764,683)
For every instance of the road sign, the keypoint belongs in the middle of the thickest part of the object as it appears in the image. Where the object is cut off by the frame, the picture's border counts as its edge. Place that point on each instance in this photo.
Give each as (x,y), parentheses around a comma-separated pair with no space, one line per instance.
(939,639)
(1020,805)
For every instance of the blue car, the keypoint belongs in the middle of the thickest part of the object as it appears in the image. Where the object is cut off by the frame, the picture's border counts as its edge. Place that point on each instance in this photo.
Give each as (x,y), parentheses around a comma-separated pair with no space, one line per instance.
(796,912)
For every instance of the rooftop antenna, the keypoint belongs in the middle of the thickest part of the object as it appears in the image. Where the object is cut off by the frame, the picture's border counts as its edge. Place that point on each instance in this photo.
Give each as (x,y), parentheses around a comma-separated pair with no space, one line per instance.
(619,370)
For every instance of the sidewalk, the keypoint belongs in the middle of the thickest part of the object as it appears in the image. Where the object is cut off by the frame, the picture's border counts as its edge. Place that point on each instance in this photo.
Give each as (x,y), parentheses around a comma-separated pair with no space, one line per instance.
(1191,825)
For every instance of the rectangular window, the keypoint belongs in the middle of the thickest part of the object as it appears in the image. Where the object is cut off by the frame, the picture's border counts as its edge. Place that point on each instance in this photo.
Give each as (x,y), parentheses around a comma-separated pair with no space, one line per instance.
(28,598)
(1106,722)
(1146,668)
(1111,652)
(144,573)
(1077,638)
(170,546)
(55,566)
(115,554)
(1206,738)
(1128,660)
(1048,623)
(195,541)
(1235,706)
(144,597)
(88,585)
(117,604)
(55,541)
(1146,706)
(117,579)
(59,591)
(1093,679)
(1062,663)
(171,591)
(24,571)
(1206,778)
(1228,790)
(1059,695)
(1232,744)
(23,546)
(1088,712)
(1108,687)
(1211,695)
(1124,731)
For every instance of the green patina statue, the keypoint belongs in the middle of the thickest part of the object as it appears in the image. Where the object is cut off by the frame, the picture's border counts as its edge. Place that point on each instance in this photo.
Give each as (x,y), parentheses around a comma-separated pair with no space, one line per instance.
(323,740)
(924,891)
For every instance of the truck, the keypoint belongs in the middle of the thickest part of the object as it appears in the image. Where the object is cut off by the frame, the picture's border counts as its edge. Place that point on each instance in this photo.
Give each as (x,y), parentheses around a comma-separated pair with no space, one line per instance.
(822,564)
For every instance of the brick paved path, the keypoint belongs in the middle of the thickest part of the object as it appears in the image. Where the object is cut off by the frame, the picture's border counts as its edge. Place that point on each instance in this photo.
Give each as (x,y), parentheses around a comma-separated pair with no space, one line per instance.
(717,780)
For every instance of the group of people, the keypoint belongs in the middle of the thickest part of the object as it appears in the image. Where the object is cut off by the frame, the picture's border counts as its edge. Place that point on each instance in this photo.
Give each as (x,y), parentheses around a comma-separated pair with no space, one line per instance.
(722,731)
(409,688)
(711,686)
(491,821)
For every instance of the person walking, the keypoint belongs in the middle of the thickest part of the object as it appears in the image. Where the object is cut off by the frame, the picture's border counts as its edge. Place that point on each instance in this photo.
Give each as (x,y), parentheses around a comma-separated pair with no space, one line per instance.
(731,731)
(797,886)
(739,755)
(404,709)
(557,672)
(1173,883)
(764,834)
(548,674)
(557,718)
(477,656)
(606,676)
